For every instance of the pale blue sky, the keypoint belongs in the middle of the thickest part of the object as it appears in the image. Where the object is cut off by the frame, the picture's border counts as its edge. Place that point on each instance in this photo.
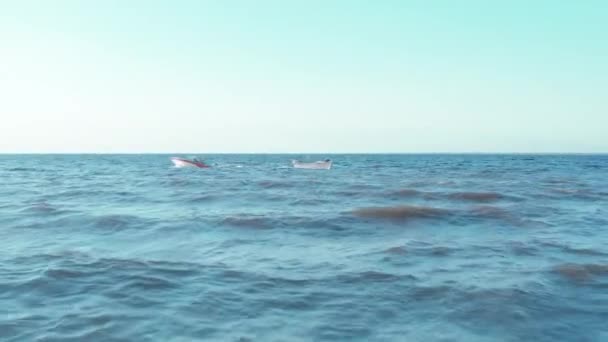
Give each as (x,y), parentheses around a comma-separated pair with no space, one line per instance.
(303,76)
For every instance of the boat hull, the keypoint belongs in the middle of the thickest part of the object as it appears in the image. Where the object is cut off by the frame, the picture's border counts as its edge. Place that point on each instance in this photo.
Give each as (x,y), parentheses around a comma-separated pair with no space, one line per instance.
(320,165)
(180,162)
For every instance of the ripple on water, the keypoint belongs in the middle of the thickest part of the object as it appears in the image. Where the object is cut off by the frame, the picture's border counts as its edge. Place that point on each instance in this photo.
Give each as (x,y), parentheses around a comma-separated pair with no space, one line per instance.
(71,221)
(275,184)
(407,193)
(572,193)
(41,208)
(373,277)
(309,202)
(426,251)
(117,222)
(523,249)
(401,212)
(569,249)
(263,253)
(505,216)
(476,196)
(21,169)
(413,193)
(292,222)
(397,250)
(203,198)
(581,272)
(249,221)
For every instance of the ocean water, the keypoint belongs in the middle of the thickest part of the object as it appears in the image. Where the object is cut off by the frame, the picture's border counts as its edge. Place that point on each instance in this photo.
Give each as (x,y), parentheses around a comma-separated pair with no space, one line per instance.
(380,248)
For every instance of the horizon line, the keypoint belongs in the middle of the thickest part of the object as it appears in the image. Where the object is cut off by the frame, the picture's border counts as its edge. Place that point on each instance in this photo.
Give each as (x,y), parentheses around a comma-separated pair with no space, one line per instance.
(298,153)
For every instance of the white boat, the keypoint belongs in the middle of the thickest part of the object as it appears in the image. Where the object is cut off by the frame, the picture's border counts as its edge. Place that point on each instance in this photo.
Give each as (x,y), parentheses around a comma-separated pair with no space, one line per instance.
(182,162)
(318,165)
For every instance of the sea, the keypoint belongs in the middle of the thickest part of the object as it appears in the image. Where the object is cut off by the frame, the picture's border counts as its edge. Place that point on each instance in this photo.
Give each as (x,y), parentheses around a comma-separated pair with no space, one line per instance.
(412,247)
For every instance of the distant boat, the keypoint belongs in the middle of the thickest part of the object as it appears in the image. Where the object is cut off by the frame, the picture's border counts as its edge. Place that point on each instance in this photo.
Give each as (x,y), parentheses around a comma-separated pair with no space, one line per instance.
(318,165)
(181,162)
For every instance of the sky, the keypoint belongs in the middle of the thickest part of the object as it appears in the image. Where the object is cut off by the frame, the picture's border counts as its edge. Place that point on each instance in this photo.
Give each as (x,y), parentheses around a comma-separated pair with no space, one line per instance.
(303,76)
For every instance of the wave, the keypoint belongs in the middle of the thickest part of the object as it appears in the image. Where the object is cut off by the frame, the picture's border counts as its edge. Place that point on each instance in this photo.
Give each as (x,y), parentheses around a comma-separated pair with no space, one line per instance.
(466,196)
(139,283)
(373,277)
(566,248)
(249,221)
(103,223)
(23,169)
(560,180)
(413,193)
(119,195)
(309,202)
(486,211)
(407,192)
(42,208)
(275,184)
(400,212)
(398,250)
(353,193)
(583,251)
(204,198)
(430,250)
(317,251)
(581,272)
(118,222)
(574,193)
(115,296)
(523,249)
(435,183)
(430,292)
(275,221)
(71,265)
(476,196)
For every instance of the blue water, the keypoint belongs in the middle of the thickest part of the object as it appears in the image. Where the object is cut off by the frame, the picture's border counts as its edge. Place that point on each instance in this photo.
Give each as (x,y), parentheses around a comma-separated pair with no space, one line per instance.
(380,248)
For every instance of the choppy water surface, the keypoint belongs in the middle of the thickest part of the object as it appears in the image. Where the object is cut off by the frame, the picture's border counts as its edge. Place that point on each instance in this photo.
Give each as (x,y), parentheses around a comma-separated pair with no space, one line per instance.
(384,248)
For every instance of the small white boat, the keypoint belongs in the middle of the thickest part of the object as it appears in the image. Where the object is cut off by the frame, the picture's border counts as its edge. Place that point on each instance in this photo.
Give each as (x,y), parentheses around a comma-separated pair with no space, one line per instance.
(182,162)
(318,165)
